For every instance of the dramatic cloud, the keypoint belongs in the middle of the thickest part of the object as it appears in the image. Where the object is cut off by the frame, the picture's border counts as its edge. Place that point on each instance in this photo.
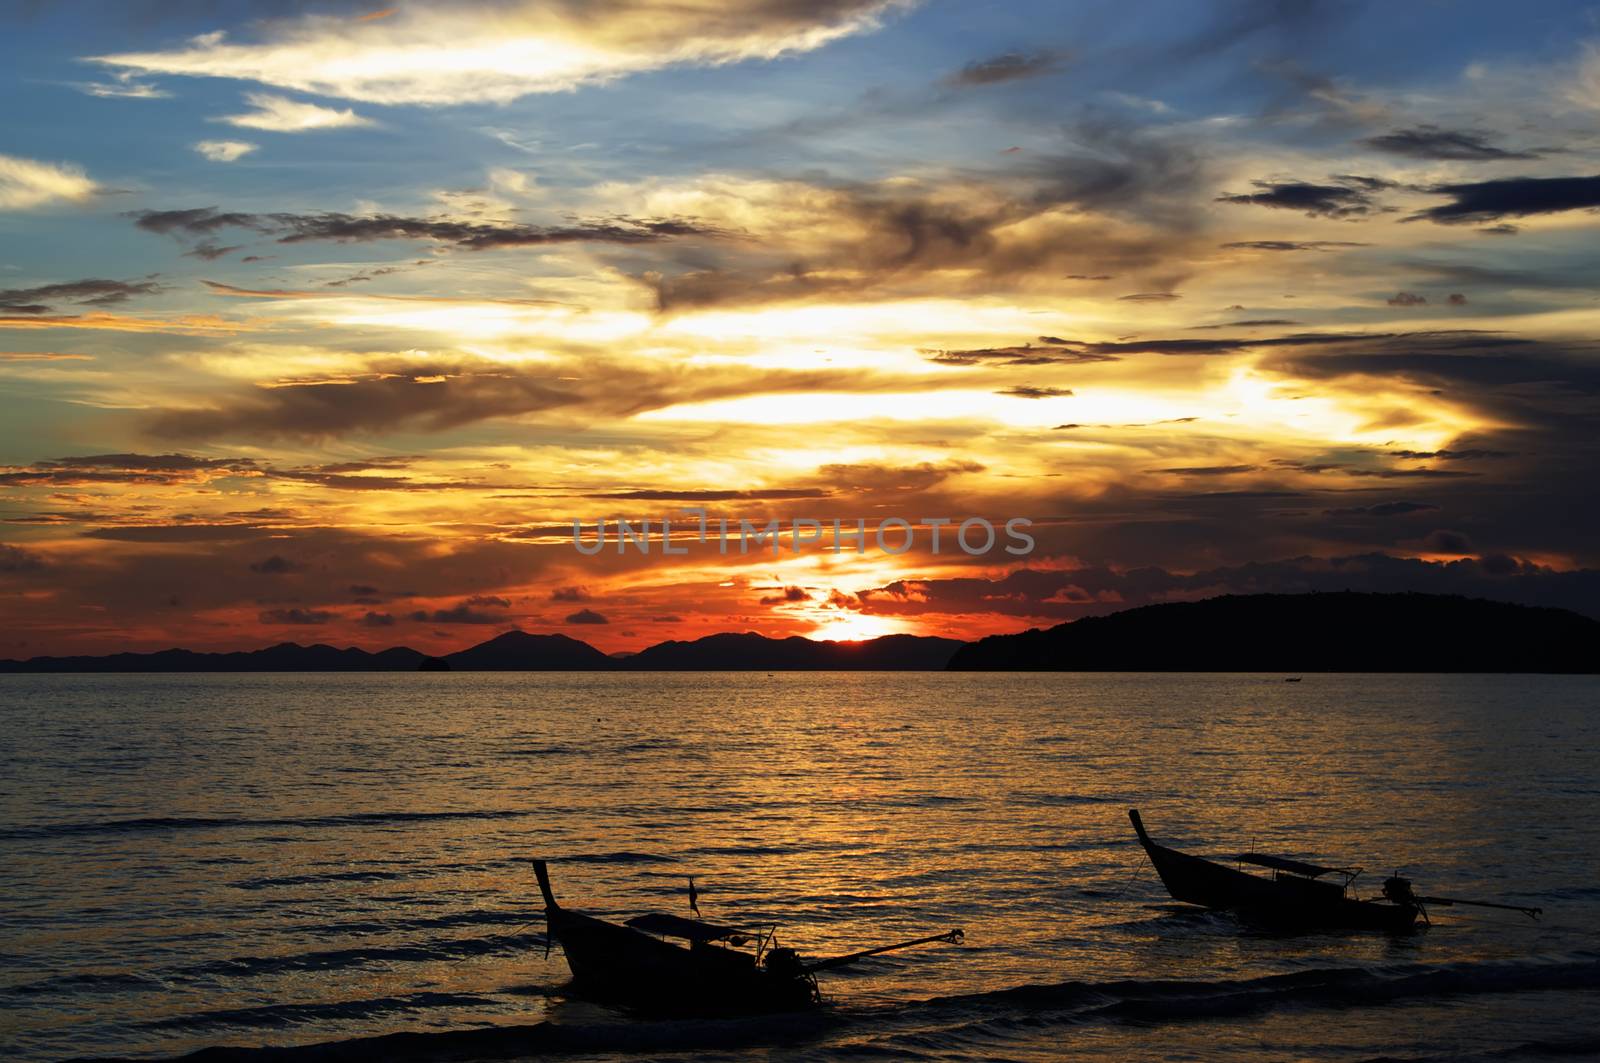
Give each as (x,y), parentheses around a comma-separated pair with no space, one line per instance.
(28,183)
(1512,197)
(459,614)
(1351,197)
(481,52)
(1292,245)
(1027,391)
(224,150)
(279,114)
(1091,591)
(471,236)
(586,616)
(1381,509)
(90,292)
(1431,142)
(306,617)
(276,565)
(15,559)
(1012,66)
(437,395)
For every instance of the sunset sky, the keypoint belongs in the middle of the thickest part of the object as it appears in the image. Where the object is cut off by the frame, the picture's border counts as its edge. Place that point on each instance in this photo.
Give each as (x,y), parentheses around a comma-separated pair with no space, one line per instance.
(323,321)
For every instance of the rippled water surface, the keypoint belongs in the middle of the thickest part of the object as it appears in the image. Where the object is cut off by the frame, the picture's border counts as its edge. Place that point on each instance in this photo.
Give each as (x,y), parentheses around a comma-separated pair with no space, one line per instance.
(291,860)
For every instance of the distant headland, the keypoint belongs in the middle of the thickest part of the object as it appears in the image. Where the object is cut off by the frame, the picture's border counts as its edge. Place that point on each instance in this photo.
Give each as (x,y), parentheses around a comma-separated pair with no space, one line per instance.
(1326,632)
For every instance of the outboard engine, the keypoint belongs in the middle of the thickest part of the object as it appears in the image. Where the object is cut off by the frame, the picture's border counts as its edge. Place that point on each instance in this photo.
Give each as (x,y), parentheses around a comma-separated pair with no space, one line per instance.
(1398,890)
(784,963)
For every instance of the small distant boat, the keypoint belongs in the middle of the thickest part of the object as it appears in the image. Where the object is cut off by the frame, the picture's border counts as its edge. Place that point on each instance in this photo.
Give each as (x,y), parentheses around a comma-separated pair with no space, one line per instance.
(633,963)
(1297,895)
(1292,679)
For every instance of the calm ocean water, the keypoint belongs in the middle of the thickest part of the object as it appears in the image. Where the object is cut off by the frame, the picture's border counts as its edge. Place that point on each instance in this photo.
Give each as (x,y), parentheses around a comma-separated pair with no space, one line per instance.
(189,861)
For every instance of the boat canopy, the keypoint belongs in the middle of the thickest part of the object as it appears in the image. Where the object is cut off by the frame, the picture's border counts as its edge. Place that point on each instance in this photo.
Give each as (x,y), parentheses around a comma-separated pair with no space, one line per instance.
(691,930)
(1283,863)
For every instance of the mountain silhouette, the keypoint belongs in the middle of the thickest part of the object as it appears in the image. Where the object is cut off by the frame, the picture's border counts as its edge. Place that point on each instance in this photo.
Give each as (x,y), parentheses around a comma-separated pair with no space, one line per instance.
(284,657)
(752,652)
(1339,632)
(518,651)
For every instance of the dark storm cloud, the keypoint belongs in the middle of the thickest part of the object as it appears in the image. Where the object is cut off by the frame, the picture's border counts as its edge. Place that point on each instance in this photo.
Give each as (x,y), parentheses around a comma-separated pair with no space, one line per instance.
(1511,197)
(771,494)
(1381,509)
(1210,470)
(1133,190)
(1350,197)
(15,559)
(586,616)
(1065,350)
(790,594)
(1026,391)
(1541,374)
(1407,299)
(1053,351)
(175,469)
(1468,454)
(1012,66)
(167,469)
(1432,142)
(211,252)
(1096,590)
(276,565)
(296,616)
(459,614)
(94,291)
(472,236)
(443,395)
(1292,245)
(181,533)
(874,477)
(1447,542)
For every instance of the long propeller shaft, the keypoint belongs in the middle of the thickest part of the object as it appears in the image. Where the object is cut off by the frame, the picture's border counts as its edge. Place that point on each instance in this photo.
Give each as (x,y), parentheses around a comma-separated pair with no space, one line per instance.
(954,937)
(1445,902)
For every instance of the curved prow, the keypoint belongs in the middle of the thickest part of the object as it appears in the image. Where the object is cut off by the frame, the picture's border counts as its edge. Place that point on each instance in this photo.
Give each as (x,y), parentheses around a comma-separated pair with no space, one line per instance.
(1138,826)
(542,873)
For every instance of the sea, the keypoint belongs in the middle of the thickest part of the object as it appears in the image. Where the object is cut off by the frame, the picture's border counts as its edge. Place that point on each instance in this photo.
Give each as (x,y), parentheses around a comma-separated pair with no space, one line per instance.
(337,866)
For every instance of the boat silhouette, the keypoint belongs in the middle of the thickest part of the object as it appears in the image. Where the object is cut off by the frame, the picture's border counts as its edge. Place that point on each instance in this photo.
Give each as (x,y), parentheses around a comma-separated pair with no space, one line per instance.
(1297,895)
(635,963)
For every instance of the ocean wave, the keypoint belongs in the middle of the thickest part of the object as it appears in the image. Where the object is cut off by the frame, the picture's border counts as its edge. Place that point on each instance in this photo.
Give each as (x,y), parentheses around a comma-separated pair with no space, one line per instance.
(168,824)
(340,959)
(1150,1001)
(302,1014)
(545,1038)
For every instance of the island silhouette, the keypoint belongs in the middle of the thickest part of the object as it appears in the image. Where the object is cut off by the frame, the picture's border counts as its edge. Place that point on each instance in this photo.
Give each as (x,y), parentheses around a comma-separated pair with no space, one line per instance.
(1320,632)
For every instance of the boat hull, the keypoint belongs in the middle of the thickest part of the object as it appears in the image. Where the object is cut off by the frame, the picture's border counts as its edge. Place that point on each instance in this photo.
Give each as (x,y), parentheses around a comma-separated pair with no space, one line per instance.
(619,964)
(1280,902)
(627,966)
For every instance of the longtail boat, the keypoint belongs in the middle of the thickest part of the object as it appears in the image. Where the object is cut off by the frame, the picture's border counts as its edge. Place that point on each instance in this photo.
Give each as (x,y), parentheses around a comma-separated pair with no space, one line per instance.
(1296,895)
(635,963)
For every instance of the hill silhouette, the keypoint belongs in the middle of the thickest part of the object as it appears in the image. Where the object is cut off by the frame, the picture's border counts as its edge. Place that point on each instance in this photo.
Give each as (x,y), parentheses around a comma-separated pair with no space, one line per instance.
(753,652)
(284,657)
(518,651)
(1339,632)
